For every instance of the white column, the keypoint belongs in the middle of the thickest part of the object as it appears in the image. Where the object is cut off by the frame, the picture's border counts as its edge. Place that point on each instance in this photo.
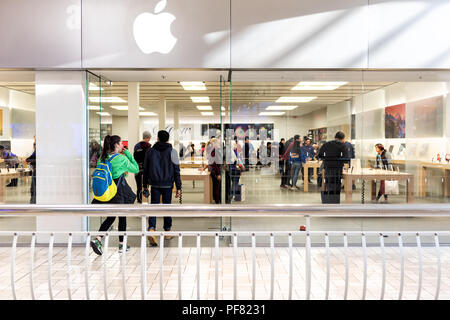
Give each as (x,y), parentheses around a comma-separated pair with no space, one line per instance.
(133,123)
(61,125)
(133,114)
(162,113)
(176,127)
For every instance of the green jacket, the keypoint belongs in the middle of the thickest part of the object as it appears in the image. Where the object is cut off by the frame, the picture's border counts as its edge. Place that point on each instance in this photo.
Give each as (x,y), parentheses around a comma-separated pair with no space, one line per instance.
(123,163)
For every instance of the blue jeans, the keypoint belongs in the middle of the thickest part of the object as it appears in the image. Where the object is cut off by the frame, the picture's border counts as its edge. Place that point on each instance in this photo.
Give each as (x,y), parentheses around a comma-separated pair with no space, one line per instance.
(155,198)
(296,166)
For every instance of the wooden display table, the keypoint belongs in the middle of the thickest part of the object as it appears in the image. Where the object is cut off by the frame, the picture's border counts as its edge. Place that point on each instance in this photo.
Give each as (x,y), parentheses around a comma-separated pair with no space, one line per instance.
(5,176)
(423,176)
(195,174)
(378,174)
(192,164)
(315,164)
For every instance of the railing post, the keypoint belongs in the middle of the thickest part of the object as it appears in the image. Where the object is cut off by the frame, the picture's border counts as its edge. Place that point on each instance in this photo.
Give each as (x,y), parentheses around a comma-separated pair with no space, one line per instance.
(105,266)
(50,264)
(272,266)
(402,266)
(346,265)
(13,263)
(33,243)
(291,266)
(180,246)
(308,266)
(161,263)
(383,256)
(124,265)
(198,266)
(364,246)
(69,257)
(253,266)
(419,257)
(86,261)
(143,265)
(216,287)
(438,256)
(327,247)
(235,266)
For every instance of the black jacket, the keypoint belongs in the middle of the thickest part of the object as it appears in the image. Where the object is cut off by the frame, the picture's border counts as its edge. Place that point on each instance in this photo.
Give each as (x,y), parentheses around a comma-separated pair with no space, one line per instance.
(334,154)
(162,166)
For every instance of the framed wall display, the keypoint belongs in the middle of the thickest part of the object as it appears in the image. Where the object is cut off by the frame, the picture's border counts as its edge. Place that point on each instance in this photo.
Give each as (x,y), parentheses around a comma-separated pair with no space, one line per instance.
(394,123)
(427,118)
(255,131)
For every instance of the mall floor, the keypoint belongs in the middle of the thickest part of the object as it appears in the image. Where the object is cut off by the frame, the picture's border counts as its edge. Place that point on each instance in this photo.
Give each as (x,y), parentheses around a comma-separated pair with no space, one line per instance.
(261,187)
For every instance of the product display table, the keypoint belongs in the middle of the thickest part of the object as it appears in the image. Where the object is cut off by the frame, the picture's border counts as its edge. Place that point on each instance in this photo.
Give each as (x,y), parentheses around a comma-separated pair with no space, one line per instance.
(315,164)
(423,176)
(6,175)
(195,174)
(374,175)
(192,164)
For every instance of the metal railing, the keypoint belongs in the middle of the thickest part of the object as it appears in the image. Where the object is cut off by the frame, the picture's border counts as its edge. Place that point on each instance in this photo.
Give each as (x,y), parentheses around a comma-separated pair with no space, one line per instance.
(183,211)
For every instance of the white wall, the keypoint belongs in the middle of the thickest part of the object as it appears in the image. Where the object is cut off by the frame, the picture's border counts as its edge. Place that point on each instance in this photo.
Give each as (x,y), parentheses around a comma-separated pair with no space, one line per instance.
(10,100)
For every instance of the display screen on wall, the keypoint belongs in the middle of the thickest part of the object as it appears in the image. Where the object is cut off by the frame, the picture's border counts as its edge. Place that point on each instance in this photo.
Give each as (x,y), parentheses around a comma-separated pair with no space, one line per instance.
(255,131)
(427,117)
(23,124)
(394,121)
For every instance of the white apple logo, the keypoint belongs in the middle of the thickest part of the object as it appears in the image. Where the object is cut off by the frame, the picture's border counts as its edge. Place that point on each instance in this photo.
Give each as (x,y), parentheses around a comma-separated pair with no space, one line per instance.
(152,31)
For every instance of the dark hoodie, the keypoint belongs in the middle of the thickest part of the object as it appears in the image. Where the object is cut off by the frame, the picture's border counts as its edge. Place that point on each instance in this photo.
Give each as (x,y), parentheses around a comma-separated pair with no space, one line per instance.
(161,167)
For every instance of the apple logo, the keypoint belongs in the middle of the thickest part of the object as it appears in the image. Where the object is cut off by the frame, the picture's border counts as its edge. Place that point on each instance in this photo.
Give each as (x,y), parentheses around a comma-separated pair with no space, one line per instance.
(152,31)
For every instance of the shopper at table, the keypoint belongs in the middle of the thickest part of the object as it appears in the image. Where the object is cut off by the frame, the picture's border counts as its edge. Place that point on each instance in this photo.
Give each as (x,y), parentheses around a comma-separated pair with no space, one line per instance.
(334,154)
(296,158)
(383,161)
(214,167)
(161,172)
(11,161)
(140,149)
(122,161)
(308,151)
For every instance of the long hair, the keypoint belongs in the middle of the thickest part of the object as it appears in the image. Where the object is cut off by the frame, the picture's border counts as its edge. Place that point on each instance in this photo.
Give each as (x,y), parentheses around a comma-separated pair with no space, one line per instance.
(109,146)
(296,147)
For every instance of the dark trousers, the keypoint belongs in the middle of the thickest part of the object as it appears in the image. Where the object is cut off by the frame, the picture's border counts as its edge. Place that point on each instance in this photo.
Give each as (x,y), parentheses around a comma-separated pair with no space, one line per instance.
(332,193)
(138,178)
(247,164)
(310,173)
(217,190)
(33,188)
(286,177)
(234,185)
(110,220)
(227,186)
(155,195)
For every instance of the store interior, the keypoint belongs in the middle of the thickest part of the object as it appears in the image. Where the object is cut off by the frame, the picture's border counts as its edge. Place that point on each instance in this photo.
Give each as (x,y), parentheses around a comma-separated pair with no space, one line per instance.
(406,111)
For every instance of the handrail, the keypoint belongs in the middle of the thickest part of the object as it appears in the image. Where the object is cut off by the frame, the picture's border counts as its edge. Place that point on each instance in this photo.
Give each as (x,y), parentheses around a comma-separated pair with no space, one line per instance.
(160,210)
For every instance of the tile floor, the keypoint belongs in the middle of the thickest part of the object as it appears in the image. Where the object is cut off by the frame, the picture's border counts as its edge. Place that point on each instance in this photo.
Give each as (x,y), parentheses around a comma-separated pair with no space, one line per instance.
(207,273)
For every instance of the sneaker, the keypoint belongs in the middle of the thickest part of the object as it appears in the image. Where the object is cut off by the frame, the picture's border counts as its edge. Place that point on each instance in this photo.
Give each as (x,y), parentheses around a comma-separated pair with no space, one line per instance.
(121,248)
(283,186)
(152,239)
(296,188)
(293,188)
(96,245)
(168,237)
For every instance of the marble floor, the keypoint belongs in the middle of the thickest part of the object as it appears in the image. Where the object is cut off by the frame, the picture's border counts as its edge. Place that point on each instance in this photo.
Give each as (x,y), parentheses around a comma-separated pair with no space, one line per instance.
(189,274)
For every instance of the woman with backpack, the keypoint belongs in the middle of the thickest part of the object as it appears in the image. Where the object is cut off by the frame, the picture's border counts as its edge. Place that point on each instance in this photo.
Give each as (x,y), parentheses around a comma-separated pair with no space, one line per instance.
(121,161)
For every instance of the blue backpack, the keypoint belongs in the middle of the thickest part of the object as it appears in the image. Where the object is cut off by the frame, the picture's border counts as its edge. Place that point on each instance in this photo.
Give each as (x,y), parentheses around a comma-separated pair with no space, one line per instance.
(103,184)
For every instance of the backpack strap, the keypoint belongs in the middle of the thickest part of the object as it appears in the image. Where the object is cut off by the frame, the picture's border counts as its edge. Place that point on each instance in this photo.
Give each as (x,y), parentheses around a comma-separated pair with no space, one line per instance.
(112,157)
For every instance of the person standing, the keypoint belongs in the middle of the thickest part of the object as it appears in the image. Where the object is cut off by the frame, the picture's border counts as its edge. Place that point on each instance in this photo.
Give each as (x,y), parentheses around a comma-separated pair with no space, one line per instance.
(161,171)
(31,160)
(334,154)
(383,161)
(296,158)
(121,161)
(351,155)
(287,172)
(281,147)
(308,151)
(248,151)
(213,153)
(140,149)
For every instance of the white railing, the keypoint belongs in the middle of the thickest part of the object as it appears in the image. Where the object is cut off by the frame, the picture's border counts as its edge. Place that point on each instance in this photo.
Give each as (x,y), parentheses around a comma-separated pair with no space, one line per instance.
(235,235)
(184,211)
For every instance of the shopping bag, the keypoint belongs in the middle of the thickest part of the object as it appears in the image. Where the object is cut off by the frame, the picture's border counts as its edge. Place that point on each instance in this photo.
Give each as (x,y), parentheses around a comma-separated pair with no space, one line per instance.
(391,187)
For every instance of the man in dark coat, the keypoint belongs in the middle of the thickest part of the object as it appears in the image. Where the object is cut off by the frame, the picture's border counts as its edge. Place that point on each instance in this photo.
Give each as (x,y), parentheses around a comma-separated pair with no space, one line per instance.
(334,154)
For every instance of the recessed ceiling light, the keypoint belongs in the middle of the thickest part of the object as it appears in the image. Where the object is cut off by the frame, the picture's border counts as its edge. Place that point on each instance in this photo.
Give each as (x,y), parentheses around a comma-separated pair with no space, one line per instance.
(287,108)
(295,99)
(223,114)
(200,99)
(271,113)
(147,114)
(103,113)
(207,113)
(106,99)
(328,85)
(95,108)
(204,107)
(193,85)
(222,108)
(123,108)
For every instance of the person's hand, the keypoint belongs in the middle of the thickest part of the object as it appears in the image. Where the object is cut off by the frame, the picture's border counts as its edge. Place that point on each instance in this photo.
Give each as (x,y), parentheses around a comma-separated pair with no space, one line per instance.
(178,194)
(218,177)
